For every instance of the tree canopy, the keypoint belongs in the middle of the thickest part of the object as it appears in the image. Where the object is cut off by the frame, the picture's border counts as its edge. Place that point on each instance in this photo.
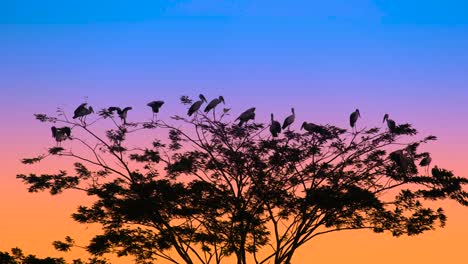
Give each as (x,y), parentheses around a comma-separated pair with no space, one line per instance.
(208,188)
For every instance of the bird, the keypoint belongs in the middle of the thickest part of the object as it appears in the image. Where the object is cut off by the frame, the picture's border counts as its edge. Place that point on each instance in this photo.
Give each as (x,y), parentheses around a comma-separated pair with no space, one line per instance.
(214,103)
(354,117)
(390,123)
(289,120)
(310,127)
(121,112)
(61,134)
(425,162)
(155,106)
(246,116)
(196,106)
(275,127)
(81,111)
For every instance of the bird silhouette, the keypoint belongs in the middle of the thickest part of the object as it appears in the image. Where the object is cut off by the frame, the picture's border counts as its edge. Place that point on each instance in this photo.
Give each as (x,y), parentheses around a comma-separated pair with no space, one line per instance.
(275,127)
(310,127)
(61,134)
(289,120)
(246,116)
(196,106)
(121,112)
(155,106)
(82,111)
(425,162)
(214,103)
(390,123)
(353,118)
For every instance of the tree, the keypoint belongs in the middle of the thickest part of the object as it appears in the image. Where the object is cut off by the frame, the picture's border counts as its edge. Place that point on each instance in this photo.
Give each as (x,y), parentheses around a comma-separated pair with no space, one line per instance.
(212,190)
(17,257)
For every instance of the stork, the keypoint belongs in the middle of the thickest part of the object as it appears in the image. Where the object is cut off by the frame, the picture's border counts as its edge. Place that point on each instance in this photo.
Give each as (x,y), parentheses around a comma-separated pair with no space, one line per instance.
(61,134)
(425,162)
(390,123)
(353,118)
(310,127)
(289,120)
(82,111)
(213,104)
(246,116)
(155,106)
(275,127)
(121,112)
(196,106)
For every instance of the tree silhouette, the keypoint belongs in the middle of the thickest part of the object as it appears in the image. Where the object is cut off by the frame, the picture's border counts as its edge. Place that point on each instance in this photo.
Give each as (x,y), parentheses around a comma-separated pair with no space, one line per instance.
(17,257)
(209,190)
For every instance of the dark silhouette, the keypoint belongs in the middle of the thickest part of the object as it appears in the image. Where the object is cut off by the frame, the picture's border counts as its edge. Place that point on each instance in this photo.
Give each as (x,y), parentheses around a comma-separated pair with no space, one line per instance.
(196,106)
(81,111)
(207,190)
(122,113)
(61,134)
(247,115)
(289,120)
(275,127)
(16,256)
(390,123)
(155,106)
(214,103)
(353,118)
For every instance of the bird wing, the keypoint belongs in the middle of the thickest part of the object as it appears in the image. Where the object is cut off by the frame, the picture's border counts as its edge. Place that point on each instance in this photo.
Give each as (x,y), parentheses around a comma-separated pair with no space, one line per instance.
(194,107)
(67,131)
(114,108)
(287,122)
(127,109)
(352,119)
(54,131)
(79,110)
(211,105)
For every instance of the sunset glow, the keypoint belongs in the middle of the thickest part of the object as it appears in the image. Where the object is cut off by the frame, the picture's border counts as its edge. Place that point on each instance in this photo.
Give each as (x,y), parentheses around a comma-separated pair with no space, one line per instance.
(324,59)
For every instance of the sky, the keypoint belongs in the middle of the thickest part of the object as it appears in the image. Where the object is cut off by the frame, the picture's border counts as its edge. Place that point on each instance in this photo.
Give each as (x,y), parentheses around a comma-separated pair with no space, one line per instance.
(325,58)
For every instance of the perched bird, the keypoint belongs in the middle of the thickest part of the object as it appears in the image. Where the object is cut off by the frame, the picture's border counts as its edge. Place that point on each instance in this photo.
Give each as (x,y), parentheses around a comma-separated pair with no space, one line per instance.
(275,127)
(426,161)
(155,105)
(121,112)
(82,111)
(195,106)
(289,120)
(390,123)
(214,103)
(310,127)
(354,117)
(61,134)
(246,116)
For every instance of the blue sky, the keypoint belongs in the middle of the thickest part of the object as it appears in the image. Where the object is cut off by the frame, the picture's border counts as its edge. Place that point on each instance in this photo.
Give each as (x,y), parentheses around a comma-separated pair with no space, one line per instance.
(352,52)
(88,11)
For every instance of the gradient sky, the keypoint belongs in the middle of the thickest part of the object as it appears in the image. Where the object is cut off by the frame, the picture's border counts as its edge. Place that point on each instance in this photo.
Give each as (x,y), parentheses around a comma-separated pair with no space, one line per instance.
(325,58)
